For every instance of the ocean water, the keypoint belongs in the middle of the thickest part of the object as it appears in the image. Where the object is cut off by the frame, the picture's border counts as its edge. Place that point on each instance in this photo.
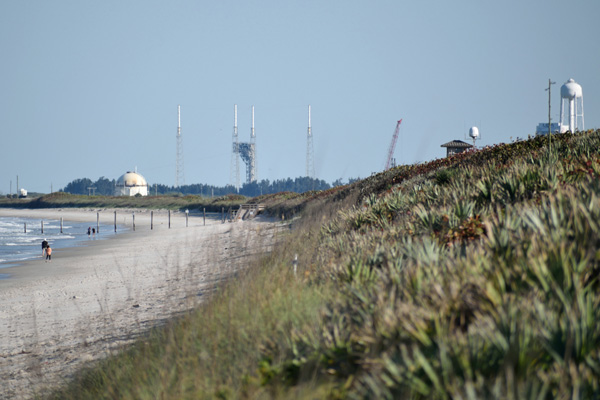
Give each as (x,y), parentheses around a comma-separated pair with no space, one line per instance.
(17,245)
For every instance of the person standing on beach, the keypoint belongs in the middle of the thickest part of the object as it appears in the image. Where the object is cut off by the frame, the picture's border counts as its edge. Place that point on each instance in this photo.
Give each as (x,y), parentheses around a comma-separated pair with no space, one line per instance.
(89,231)
(44,245)
(48,254)
(93,232)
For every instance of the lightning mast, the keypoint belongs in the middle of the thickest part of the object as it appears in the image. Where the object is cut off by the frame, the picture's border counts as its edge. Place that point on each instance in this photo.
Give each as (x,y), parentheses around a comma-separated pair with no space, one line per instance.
(252,176)
(310,155)
(390,155)
(235,160)
(179,161)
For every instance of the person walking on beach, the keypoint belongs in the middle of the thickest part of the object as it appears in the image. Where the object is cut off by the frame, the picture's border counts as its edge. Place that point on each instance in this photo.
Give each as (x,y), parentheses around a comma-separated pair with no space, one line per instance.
(48,254)
(44,245)
(94,232)
(89,231)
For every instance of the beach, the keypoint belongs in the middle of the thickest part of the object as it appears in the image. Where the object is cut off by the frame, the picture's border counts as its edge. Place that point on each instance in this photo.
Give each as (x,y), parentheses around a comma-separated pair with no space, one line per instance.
(92,300)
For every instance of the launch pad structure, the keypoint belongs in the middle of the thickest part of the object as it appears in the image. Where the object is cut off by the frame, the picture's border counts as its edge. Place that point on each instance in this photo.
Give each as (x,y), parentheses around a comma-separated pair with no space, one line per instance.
(244,150)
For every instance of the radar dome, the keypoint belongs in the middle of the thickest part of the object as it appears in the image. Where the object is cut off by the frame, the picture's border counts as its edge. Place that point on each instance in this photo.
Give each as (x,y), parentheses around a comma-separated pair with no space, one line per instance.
(131,179)
(571,90)
(474,132)
(131,184)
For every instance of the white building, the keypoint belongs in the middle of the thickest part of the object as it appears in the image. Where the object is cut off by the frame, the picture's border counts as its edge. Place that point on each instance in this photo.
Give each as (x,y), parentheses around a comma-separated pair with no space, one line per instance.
(542,128)
(131,184)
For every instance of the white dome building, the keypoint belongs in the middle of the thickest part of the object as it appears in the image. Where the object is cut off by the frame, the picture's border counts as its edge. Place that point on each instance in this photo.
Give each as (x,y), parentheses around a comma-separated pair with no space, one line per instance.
(131,184)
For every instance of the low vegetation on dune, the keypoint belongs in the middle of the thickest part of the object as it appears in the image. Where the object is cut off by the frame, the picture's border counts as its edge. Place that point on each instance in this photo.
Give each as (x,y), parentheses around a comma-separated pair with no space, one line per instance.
(475,276)
(171,202)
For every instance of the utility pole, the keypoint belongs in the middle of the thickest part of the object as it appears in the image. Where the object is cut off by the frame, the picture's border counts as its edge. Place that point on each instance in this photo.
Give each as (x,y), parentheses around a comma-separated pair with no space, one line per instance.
(550,83)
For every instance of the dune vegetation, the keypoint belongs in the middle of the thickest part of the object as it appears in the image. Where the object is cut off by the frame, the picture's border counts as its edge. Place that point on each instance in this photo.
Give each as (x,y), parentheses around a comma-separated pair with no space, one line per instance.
(475,276)
(170,202)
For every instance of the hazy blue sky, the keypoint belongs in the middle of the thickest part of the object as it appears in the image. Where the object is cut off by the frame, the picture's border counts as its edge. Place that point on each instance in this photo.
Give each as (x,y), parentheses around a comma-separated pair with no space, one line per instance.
(91,88)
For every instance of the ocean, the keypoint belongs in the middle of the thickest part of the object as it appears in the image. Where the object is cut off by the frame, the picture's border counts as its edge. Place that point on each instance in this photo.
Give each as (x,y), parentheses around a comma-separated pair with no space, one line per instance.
(17,245)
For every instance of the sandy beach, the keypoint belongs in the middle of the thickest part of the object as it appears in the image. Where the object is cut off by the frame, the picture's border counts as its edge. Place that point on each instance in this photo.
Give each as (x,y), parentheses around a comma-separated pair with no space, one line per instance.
(91,300)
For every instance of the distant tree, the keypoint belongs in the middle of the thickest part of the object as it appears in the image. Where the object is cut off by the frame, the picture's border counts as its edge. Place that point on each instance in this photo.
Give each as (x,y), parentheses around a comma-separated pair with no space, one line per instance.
(337,182)
(78,186)
(301,184)
(250,189)
(105,186)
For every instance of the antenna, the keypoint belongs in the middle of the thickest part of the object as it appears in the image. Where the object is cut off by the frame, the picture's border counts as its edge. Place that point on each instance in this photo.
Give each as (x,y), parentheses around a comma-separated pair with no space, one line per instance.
(235,161)
(179,179)
(310,165)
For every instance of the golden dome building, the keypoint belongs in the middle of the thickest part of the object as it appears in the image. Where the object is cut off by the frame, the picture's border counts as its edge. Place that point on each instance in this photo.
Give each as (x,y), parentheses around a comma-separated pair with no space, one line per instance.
(131,184)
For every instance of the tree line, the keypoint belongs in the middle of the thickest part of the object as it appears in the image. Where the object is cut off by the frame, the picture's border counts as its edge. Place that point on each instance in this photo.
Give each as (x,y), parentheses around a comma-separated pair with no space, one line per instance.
(106,187)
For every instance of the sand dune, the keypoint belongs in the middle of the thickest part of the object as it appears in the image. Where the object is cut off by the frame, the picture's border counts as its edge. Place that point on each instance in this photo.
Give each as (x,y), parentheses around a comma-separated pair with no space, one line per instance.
(91,300)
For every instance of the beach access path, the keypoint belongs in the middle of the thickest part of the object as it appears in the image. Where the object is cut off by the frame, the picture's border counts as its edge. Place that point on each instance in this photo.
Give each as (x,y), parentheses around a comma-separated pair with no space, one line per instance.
(92,300)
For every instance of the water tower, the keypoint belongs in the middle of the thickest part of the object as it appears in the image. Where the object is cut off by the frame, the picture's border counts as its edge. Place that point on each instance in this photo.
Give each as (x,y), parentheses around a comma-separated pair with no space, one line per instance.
(572,93)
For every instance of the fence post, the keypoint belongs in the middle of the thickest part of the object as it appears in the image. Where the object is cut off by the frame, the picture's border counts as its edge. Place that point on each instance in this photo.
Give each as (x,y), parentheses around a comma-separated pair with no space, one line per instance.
(115,222)
(169,219)
(61,224)
(187,212)
(97,222)
(222,215)
(295,263)
(151,220)
(24,227)
(42,226)
(204,214)
(133,219)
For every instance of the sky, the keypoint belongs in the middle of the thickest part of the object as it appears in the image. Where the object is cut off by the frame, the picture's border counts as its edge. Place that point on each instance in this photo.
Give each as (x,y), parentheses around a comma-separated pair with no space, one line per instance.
(90,89)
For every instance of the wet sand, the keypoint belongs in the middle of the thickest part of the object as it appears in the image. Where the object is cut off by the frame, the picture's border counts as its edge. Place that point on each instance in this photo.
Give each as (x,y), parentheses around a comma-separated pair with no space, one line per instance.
(91,300)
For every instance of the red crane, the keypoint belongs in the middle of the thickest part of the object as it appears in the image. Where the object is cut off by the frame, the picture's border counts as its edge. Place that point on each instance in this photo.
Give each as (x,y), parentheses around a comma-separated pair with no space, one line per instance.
(388,163)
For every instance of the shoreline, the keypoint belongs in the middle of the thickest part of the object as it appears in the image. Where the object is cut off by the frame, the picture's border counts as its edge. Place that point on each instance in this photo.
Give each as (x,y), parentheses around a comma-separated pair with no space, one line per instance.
(93,299)
(144,220)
